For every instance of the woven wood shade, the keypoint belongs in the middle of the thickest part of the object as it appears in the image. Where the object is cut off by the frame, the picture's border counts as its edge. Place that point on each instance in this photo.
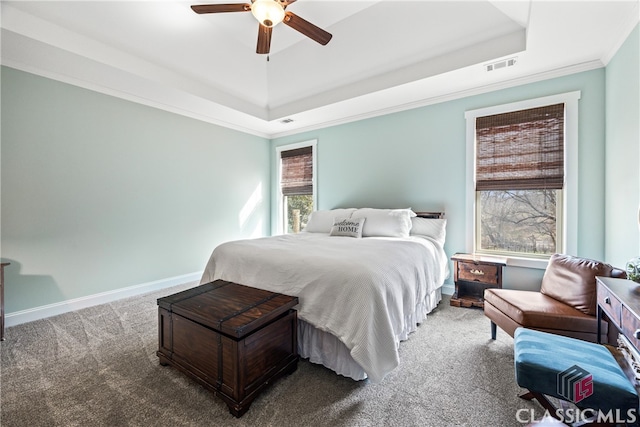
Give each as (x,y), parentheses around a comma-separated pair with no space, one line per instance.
(297,171)
(521,150)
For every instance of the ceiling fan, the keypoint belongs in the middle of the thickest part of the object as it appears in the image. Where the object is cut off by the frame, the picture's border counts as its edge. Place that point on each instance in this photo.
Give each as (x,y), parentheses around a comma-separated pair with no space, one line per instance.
(269,13)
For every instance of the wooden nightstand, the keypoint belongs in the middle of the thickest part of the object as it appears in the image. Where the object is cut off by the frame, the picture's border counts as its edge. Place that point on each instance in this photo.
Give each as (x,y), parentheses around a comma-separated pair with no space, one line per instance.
(472,275)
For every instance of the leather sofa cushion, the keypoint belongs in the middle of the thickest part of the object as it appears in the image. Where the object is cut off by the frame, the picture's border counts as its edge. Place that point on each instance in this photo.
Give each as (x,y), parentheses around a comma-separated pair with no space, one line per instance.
(572,280)
(536,310)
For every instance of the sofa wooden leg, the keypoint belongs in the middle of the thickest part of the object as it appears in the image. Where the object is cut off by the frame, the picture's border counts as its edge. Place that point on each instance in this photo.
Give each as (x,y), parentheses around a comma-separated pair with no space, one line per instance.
(493,330)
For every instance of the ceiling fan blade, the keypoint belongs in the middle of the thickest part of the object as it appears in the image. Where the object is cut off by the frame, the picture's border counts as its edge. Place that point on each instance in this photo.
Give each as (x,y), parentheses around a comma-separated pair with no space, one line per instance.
(264,39)
(219,8)
(307,28)
(286,3)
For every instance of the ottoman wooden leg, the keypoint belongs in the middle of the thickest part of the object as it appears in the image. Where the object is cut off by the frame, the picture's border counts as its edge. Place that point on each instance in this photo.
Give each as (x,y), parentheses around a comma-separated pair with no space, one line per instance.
(542,399)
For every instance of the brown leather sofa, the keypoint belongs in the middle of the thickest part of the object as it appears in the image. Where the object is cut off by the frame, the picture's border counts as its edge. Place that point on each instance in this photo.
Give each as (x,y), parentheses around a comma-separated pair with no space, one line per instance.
(565,305)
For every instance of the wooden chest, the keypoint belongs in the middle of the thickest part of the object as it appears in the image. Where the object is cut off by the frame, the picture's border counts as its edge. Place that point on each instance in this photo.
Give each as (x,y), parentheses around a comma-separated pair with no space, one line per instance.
(233,339)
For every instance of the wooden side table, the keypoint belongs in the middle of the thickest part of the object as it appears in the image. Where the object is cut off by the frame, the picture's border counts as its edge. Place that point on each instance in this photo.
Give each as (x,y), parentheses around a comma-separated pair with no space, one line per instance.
(472,275)
(2,266)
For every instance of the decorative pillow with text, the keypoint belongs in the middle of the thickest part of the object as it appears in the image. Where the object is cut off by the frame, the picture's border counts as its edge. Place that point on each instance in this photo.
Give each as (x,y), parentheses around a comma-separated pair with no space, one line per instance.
(349,227)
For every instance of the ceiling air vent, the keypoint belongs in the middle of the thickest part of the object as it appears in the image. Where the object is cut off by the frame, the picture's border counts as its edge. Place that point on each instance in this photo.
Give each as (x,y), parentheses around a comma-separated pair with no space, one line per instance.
(285,121)
(510,62)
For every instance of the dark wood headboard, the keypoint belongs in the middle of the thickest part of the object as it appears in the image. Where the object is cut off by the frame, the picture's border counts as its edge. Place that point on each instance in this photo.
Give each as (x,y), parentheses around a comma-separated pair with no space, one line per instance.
(435,215)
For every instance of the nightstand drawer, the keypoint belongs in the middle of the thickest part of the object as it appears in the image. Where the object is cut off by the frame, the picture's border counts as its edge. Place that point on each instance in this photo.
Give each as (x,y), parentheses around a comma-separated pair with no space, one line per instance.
(630,327)
(610,304)
(476,272)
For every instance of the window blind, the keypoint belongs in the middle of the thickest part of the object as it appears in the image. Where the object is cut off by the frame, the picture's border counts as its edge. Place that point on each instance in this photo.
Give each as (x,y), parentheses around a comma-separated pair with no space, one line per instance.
(297,171)
(521,150)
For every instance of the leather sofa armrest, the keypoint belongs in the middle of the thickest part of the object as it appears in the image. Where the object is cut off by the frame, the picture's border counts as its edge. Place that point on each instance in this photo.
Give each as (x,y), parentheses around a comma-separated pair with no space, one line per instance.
(618,274)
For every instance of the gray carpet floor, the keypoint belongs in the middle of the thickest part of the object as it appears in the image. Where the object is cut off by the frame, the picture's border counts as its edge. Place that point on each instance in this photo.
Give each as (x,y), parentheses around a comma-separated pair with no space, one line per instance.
(98,367)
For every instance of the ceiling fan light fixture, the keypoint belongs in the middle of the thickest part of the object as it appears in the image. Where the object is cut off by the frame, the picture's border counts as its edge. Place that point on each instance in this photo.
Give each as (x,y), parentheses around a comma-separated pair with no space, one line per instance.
(268,12)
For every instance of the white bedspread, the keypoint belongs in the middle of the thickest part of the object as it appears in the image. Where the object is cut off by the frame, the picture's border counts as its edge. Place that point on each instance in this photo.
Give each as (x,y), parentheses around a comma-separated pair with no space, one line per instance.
(363,291)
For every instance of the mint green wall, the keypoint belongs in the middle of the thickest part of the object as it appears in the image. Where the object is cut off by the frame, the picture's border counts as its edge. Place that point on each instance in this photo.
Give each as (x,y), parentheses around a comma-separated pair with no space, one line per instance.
(622,196)
(99,193)
(417,158)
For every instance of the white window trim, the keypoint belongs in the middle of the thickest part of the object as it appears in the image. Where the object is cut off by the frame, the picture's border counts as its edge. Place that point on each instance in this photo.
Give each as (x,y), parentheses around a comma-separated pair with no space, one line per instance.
(570,199)
(311,143)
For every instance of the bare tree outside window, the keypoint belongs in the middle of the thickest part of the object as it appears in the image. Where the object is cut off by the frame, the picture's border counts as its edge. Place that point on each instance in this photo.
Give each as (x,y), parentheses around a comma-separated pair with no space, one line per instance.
(521,221)
(519,180)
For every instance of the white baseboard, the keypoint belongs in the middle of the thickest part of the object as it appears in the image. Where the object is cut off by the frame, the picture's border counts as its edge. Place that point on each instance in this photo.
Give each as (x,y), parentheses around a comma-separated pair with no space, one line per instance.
(36,313)
(448,289)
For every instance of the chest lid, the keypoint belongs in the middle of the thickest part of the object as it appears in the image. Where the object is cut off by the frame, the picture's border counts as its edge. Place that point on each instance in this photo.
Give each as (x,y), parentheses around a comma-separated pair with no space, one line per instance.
(232,309)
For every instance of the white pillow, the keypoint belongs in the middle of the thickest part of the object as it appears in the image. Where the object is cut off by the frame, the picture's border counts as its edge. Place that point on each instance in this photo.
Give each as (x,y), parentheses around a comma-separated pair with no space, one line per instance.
(434,228)
(350,227)
(322,221)
(385,222)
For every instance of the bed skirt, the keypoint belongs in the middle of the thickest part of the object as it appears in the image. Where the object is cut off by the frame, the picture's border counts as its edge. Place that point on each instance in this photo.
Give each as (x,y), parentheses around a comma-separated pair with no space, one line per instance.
(325,349)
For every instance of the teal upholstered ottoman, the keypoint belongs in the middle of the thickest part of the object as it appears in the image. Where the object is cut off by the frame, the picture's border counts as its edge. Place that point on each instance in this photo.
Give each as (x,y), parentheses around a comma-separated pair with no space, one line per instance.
(569,369)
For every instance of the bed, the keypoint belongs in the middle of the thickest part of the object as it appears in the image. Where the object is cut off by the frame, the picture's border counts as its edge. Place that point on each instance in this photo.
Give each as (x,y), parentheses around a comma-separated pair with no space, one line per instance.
(365,279)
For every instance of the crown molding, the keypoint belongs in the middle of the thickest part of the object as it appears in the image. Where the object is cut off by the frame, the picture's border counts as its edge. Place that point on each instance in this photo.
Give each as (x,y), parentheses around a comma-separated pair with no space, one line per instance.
(624,30)
(560,72)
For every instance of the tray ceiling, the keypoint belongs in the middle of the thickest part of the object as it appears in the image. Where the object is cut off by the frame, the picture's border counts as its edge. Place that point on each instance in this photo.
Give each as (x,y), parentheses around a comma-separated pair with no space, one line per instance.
(385,55)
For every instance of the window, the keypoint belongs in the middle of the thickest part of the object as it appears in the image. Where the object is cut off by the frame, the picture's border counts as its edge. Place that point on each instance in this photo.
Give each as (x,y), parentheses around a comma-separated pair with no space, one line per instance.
(523,169)
(296,182)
